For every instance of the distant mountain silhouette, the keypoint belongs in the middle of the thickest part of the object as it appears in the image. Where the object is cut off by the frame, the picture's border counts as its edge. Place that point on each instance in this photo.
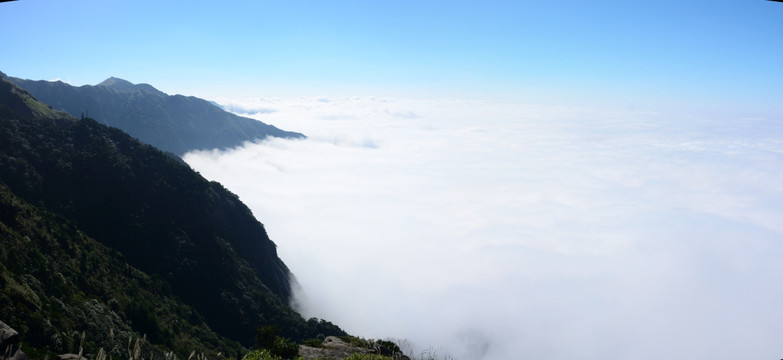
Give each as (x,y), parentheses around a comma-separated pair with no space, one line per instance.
(172,123)
(100,232)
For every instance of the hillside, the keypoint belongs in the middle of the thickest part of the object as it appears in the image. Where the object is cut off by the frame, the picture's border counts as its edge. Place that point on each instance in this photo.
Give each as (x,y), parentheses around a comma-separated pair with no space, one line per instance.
(96,225)
(57,282)
(172,123)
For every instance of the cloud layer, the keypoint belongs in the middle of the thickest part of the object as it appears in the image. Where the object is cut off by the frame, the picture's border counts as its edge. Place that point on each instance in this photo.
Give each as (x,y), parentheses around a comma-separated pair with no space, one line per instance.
(496,231)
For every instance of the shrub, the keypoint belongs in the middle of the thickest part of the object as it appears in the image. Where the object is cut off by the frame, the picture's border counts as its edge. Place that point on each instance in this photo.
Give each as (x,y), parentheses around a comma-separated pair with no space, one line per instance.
(391,345)
(267,339)
(357,341)
(316,343)
(284,348)
(262,354)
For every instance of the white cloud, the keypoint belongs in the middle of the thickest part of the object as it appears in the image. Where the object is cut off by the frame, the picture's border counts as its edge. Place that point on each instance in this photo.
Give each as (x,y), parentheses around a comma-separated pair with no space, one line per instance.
(61,80)
(518,231)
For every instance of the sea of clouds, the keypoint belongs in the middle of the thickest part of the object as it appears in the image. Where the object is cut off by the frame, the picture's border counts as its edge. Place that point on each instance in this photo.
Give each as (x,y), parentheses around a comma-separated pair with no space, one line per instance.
(489,230)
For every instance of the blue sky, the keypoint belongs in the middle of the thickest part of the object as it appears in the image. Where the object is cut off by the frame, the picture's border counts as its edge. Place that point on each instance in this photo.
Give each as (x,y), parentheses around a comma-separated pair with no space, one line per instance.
(704,52)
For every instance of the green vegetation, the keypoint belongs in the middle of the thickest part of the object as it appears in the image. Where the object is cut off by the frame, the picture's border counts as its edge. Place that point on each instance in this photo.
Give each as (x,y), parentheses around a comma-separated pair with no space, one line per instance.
(261,354)
(315,342)
(389,345)
(57,283)
(357,341)
(369,343)
(108,236)
(268,339)
(20,102)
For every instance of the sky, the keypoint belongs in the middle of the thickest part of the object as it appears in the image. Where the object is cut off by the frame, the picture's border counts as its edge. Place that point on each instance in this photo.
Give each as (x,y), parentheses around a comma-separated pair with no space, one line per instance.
(618,52)
(487,180)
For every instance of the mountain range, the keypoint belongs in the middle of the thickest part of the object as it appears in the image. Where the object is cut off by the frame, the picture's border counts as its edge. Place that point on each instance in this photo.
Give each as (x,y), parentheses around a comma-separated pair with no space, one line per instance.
(173,123)
(103,234)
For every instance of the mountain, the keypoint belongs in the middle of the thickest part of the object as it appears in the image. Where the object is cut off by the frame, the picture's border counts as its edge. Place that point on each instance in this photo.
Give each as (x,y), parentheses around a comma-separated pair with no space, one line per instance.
(57,282)
(100,231)
(176,124)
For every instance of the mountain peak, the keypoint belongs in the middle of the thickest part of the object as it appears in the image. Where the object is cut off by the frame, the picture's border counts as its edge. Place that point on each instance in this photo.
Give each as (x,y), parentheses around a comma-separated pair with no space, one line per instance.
(127,86)
(117,83)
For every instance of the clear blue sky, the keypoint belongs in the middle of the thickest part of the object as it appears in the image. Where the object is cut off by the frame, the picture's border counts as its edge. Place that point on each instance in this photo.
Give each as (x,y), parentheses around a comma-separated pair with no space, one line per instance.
(704,51)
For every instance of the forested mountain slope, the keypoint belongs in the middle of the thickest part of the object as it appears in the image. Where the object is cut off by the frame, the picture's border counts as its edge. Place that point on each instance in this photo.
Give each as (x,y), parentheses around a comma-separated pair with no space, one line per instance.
(203,266)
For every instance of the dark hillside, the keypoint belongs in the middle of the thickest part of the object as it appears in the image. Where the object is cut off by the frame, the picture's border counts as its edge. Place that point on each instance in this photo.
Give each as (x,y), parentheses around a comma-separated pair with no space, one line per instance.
(176,124)
(56,282)
(193,235)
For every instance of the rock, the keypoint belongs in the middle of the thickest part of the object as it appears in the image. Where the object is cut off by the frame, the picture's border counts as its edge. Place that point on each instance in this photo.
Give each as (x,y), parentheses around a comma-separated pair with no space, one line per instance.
(9,343)
(333,342)
(336,348)
(8,336)
(18,355)
(333,348)
(71,357)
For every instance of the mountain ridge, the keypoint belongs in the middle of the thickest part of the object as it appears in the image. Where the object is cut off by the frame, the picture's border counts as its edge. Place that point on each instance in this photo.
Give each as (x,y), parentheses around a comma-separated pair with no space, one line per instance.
(172,123)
